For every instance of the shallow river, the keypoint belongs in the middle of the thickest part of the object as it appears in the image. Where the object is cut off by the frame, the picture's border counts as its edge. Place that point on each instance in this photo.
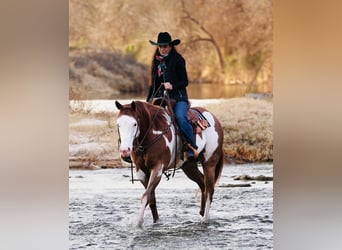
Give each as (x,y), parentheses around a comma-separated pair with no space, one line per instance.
(104,206)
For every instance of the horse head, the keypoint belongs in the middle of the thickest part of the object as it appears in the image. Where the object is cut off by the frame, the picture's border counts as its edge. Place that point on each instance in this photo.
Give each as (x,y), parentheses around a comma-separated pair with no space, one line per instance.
(128,129)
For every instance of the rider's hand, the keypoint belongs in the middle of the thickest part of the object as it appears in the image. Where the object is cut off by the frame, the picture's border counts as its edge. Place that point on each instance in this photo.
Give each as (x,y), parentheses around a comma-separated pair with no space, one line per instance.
(167,85)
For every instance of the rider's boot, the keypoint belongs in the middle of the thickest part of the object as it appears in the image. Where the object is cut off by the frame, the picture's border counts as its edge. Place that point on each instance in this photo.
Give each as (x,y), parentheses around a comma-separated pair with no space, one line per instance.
(192,153)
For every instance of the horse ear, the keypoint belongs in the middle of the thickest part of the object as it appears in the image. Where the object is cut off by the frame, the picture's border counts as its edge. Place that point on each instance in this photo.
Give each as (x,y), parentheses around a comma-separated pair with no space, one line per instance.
(118,105)
(133,105)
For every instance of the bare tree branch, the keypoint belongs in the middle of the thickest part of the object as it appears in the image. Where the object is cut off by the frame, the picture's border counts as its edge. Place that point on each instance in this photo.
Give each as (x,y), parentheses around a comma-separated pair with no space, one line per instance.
(211,38)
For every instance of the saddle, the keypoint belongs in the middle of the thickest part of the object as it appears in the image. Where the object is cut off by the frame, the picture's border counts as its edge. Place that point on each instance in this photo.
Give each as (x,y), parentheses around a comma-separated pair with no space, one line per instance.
(196,118)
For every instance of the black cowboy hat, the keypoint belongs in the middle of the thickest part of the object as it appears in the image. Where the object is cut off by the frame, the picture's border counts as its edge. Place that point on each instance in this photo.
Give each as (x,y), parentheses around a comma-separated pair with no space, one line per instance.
(164,38)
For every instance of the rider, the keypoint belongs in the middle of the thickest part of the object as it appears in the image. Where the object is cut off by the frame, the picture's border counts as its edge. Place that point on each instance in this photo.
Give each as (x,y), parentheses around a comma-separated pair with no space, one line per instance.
(168,72)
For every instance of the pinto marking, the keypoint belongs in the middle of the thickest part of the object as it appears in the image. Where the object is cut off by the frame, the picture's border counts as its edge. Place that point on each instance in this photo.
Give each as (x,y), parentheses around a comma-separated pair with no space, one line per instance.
(157,132)
(211,135)
(206,211)
(141,175)
(160,170)
(145,126)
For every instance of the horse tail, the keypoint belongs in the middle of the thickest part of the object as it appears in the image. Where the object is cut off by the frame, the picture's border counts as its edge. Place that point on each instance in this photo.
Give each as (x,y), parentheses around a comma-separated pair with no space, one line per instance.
(219,167)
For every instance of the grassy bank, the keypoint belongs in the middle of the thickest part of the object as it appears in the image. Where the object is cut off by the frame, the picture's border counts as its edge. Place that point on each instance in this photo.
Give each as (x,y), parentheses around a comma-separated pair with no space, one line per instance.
(247,124)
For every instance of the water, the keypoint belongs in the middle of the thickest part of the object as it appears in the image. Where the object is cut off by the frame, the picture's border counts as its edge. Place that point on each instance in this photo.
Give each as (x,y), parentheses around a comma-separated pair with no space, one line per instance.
(104,206)
(207,91)
(210,91)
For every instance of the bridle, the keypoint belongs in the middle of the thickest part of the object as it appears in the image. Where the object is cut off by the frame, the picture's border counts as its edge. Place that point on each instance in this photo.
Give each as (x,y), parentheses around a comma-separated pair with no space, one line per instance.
(139,147)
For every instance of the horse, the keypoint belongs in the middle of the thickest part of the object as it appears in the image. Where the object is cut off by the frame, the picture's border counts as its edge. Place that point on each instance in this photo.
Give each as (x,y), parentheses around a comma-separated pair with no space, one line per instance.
(149,137)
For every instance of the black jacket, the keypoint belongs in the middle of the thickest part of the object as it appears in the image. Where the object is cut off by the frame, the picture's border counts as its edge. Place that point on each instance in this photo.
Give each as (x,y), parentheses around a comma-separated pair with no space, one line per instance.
(175,73)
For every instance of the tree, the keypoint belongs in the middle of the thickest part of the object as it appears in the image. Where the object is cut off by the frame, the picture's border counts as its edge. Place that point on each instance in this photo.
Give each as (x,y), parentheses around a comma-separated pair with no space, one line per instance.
(222,40)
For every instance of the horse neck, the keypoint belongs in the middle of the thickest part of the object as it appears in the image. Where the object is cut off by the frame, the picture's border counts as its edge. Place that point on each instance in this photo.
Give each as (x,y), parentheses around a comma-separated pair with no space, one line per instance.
(141,114)
(147,119)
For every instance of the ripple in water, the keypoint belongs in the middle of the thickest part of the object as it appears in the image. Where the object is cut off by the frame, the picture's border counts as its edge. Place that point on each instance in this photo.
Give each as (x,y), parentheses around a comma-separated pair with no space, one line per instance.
(104,206)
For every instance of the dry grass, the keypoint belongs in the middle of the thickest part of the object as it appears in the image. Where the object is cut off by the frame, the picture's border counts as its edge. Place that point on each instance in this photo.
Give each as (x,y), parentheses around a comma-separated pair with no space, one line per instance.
(248,132)
(92,140)
(247,124)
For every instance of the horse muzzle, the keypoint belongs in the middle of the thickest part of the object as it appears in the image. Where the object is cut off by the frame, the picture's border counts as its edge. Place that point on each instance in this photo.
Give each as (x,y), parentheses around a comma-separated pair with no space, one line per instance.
(125,153)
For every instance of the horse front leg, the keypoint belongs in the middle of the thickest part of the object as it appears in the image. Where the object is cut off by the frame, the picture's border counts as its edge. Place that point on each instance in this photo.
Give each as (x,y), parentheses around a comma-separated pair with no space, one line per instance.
(152,204)
(142,211)
(153,207)
(148,198)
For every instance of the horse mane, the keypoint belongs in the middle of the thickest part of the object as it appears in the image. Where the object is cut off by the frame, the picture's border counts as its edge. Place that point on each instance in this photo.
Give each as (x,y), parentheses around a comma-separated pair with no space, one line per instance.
(153,113)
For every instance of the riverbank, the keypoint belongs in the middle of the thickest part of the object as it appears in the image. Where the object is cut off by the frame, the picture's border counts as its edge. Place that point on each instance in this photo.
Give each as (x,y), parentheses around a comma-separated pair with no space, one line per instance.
(247,124)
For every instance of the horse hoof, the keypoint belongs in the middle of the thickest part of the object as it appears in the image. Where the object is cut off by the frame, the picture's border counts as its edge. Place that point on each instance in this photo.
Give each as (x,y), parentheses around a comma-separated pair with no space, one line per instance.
(140,223)
(205,220)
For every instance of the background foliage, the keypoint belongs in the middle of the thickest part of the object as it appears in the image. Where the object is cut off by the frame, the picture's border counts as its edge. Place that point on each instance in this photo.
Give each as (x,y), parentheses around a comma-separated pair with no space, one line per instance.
(224,41)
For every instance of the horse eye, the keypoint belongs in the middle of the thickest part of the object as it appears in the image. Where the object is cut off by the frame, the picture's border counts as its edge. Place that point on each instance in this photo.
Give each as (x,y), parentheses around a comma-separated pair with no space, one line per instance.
(135,125)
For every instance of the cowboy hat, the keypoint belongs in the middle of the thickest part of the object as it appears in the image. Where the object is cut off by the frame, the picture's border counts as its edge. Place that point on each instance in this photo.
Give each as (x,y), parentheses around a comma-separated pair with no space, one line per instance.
(164,38)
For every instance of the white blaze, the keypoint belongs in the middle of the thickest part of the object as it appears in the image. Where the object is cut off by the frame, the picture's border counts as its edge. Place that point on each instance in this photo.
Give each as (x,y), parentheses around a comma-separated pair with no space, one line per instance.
(128,130)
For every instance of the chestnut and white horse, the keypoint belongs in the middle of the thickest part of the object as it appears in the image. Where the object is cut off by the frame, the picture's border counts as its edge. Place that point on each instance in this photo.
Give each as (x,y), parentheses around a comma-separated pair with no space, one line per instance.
(148,137)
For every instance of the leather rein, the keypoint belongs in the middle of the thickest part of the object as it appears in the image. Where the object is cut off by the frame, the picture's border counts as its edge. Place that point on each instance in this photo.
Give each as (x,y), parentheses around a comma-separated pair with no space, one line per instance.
(140,148)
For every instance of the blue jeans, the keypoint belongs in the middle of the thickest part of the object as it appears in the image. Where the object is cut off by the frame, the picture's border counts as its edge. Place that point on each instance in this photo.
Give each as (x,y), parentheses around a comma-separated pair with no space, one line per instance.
(184,125)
